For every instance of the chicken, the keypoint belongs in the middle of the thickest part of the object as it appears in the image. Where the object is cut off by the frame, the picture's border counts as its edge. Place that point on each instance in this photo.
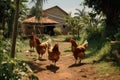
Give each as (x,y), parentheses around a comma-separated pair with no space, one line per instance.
(32,41)
(41,47)
(78,51)
(53,53)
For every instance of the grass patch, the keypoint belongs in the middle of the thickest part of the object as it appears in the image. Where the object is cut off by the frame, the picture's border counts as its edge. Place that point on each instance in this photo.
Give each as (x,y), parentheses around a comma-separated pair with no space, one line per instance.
(22,56)
(98,50)
(98,53)
(21,47)
(107,68)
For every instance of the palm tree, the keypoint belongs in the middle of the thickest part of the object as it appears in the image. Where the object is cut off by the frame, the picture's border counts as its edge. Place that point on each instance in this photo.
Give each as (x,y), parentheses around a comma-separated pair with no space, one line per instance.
(80,13)
(38,8)
(79,19)
(70,23)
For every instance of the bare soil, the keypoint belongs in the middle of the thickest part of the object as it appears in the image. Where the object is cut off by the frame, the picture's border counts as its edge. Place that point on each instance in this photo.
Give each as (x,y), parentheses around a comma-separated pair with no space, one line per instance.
(65,68)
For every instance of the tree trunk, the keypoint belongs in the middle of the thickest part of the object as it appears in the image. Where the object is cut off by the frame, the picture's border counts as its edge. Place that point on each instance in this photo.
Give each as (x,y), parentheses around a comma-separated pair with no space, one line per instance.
(111,26)
(112,20)
(15,23)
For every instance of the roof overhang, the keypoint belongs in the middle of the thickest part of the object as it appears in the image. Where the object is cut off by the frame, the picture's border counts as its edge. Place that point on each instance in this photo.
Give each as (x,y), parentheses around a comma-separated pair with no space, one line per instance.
(43,20)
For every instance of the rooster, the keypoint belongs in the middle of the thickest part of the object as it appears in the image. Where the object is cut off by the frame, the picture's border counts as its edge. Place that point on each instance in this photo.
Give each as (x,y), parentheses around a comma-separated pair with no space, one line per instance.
(78,51)
(32,41)
(41,47)
(53,53)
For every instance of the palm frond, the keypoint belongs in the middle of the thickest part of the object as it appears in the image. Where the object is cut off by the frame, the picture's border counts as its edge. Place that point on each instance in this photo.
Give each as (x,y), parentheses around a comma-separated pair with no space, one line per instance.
(38,8)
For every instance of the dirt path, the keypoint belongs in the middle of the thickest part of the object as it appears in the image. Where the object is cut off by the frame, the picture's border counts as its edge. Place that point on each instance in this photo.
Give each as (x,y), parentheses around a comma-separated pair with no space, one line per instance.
(65,69)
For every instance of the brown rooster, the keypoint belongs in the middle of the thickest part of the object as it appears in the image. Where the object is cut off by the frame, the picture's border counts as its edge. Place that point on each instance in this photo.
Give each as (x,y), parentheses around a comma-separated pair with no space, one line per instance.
(41,47)
(32,41)
(53,53)
(78,51)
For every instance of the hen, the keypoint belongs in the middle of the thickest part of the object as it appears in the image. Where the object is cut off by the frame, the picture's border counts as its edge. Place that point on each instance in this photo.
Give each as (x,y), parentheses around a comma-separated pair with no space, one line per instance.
(78,51)
(32,41)
(53,53)
(41,47)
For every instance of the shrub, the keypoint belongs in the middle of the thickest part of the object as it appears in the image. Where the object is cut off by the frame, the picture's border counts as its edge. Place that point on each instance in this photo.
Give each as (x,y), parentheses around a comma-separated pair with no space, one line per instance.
(11,69)
(94,35)
(68,38)
(57,31)
(117,36)
(6,72)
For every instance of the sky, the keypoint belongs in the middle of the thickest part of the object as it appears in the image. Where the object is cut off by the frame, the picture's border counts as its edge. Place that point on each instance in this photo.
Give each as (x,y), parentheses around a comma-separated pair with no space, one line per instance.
(66,5)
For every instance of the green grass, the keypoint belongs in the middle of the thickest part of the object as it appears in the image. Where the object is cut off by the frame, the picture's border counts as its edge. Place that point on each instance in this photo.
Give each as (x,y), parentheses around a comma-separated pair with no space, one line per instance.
(98,50)
(21,47)
(107,68)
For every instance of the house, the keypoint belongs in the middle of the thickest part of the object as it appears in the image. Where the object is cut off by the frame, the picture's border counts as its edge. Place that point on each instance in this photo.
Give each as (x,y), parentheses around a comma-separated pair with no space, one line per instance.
(52,17)
(44,25)
(57,14)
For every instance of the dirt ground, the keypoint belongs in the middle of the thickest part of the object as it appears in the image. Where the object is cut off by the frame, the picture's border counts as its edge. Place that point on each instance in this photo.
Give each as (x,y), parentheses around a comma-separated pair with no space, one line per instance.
(65,68)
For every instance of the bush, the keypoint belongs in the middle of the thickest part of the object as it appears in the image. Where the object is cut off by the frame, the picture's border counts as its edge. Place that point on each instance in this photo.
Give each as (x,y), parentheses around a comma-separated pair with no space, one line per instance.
(67,39)
(7,72)
(57,31)
(94,35)
(117,36)
(19,72)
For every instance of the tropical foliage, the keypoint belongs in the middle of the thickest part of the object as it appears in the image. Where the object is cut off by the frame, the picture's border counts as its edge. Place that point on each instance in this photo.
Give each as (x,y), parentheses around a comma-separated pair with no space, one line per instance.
(6,72)
(86,23)
(11,16)
(7,13)
(111,10)
(37,8)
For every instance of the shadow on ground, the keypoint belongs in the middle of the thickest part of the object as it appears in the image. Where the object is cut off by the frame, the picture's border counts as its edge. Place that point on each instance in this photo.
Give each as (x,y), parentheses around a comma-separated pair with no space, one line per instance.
(36,67)
(78,65)
(52,68)
(41,59)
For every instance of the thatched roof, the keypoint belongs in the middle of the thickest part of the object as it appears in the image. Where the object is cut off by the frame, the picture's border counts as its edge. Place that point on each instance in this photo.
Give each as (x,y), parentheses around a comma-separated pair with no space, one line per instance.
(44,20)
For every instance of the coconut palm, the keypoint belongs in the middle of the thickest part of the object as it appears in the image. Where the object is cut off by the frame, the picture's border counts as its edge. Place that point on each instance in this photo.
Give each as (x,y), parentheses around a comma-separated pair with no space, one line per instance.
(38,8)
(82,12)
(79,16)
